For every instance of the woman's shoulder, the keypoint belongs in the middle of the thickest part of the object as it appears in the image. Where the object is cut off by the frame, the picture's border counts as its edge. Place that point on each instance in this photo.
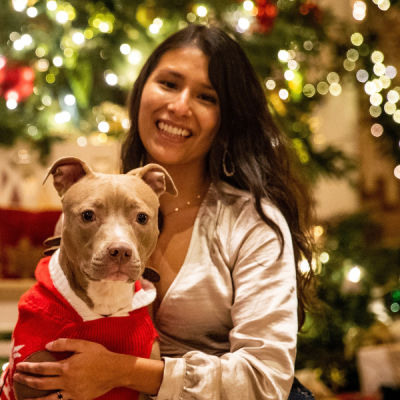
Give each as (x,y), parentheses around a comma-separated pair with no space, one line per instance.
(240,203)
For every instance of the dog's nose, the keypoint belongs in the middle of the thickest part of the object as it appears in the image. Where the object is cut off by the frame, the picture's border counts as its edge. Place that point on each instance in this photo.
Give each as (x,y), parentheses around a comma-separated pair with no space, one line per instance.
(120,252)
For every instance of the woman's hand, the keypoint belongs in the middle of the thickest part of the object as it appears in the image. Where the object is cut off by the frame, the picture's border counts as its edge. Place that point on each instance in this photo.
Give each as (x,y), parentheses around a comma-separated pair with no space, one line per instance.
(89,373)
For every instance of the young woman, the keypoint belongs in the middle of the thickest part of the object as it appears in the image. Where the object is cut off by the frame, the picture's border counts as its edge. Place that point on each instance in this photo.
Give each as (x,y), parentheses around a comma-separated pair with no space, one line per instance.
(231,296)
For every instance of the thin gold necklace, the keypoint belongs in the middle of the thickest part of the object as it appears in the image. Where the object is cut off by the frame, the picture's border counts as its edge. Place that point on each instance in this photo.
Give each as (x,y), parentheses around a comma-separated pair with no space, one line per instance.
(187,204)
(197,199)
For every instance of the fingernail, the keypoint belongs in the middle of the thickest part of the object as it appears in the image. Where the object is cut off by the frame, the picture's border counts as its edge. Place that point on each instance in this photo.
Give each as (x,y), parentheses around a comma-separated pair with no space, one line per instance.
(49,345)
(16,377)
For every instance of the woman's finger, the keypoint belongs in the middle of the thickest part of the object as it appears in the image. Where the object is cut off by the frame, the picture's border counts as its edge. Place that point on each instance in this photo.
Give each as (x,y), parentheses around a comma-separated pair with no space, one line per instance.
(72,345)
(43,368)
(46,383)
(55,396)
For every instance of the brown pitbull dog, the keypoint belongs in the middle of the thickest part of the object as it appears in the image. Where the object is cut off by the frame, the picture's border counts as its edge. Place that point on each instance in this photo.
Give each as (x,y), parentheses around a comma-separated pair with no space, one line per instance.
(108,232)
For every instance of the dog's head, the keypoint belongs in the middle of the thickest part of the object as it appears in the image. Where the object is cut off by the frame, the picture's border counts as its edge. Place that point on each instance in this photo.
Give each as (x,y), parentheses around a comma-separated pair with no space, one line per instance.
(110,225)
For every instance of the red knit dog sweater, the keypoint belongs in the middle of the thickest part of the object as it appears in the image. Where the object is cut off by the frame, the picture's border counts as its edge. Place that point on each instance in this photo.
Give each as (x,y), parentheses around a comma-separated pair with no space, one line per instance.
(45,315)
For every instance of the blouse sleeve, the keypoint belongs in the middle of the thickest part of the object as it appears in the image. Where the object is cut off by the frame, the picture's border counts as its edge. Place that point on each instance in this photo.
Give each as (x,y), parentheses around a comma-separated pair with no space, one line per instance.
(260,364)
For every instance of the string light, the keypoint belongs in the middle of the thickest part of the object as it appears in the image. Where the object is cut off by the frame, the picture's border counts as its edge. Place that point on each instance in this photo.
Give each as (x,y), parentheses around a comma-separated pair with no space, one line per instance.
(308,45)
(69,100)
(51,5)
(390,108)
(43,65)
(335,89)
(11,104)
(354,275)
(362,75)
(375,111)
(104,126)
(376,99)
(289,75)
(309,90)
(357,39)
(393,96)
(322,88)
(377,57)
(201,11)
(283,55)
(243,25)
(32,12)
(318,231)
(20,5)
(391,72)
(333,77)
(248,5)
(78,38)
(125,49)
(46,100)
(62,17)
(395,307)
(58,61)
(82,141)
(377,130)
(359,10)
(270,84)
(283,94)
(32,130)
(111,78)
(62,117)
(102,137)
(379,69)
(397,172)
(191,17)
(324,257)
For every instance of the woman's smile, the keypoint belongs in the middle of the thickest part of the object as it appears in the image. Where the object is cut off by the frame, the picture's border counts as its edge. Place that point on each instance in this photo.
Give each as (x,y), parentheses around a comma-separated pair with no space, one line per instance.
(173,130)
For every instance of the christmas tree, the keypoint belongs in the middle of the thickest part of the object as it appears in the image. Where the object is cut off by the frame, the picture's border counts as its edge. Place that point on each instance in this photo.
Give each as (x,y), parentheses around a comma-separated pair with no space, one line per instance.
(66,68)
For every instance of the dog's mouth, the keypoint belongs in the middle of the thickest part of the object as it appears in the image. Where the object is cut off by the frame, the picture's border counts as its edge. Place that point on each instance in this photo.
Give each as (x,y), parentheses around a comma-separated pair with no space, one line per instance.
(99,270)
(118,276)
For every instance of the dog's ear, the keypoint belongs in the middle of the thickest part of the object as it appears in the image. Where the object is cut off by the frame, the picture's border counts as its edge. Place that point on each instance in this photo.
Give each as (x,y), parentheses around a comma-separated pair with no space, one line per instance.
(157,178)
(66,171)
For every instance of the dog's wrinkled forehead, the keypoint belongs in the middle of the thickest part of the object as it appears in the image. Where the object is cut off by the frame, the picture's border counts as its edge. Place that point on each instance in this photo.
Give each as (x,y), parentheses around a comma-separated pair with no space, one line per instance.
(111,191)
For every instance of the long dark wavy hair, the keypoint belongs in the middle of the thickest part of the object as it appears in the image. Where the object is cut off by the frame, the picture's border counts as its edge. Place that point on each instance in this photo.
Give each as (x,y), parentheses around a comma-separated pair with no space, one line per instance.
(259,152)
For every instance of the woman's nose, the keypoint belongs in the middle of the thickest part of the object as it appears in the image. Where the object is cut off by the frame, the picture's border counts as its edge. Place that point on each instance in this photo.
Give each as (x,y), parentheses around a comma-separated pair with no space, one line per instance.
(180,104)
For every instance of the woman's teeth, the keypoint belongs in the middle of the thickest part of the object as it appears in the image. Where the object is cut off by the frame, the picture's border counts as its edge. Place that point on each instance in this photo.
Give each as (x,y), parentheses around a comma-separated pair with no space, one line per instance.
(173,130)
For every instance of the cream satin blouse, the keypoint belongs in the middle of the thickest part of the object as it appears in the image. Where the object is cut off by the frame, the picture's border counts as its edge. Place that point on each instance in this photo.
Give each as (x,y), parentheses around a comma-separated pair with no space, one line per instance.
(228,323)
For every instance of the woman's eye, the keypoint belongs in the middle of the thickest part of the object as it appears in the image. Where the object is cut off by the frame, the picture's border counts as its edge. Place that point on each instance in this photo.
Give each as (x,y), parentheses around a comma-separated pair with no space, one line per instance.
(88,216)
(168,84)
(142,218)
(209,98)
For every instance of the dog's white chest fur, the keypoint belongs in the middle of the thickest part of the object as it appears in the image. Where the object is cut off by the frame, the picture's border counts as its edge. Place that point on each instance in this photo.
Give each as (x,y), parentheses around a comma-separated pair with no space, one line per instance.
(111,298)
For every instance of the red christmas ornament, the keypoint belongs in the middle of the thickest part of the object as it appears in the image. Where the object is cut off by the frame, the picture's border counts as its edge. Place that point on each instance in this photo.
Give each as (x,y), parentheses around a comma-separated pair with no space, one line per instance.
(312,9)
(16,81)
(266,14)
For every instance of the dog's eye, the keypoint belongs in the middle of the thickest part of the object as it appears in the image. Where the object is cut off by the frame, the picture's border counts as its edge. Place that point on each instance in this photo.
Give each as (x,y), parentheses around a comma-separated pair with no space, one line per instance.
(88,216)
(142,218)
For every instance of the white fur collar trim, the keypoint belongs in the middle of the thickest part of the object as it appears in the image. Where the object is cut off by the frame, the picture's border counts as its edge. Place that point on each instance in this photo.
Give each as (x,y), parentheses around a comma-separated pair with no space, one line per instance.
(141,298)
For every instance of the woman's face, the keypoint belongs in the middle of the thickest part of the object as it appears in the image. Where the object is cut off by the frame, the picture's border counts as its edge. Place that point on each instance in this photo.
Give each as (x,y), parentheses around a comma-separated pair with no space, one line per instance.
(179,111)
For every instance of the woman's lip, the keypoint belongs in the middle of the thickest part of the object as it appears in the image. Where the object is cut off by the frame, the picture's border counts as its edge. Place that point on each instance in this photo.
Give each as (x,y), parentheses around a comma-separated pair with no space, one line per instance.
(171,137)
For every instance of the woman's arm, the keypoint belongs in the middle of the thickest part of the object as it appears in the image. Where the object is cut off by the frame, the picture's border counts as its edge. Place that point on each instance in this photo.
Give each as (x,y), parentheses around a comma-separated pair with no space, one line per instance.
(92,371)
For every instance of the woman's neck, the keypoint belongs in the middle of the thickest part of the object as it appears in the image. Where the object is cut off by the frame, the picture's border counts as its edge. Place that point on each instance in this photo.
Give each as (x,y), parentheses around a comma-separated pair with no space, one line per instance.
(192,183)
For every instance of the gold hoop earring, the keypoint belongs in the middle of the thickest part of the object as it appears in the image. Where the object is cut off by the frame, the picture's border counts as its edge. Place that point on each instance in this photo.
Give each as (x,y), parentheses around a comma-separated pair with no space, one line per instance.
(226,172)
